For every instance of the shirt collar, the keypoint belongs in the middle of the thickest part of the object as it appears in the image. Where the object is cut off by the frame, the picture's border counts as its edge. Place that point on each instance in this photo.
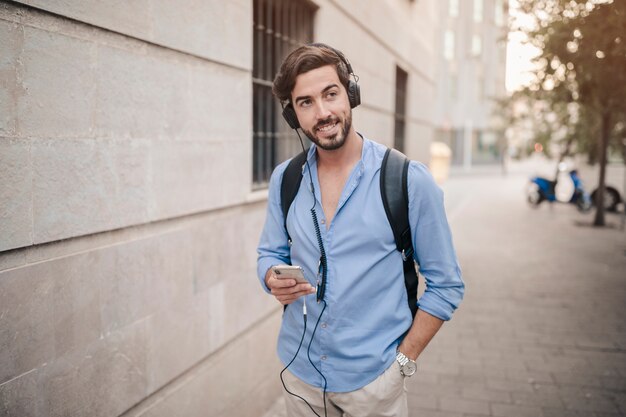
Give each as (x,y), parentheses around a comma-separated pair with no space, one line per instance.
(365,153)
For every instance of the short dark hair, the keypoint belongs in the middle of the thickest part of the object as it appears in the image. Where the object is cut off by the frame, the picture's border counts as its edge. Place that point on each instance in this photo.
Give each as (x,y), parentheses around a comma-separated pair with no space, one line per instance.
(304,59)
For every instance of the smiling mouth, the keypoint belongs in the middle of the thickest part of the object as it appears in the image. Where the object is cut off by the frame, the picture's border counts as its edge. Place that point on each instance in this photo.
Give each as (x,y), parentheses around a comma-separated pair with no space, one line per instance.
(326,127)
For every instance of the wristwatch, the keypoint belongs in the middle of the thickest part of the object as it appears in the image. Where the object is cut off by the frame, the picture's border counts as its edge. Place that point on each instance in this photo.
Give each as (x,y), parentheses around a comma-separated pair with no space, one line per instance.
(407,366)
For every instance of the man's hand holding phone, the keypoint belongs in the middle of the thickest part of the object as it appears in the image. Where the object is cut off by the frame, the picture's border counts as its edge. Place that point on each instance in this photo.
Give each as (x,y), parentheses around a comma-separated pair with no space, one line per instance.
(287,283)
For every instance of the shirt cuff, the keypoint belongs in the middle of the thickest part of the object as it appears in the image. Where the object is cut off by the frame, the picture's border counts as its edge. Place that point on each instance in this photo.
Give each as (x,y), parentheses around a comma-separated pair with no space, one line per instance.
(262,267)
(435,306)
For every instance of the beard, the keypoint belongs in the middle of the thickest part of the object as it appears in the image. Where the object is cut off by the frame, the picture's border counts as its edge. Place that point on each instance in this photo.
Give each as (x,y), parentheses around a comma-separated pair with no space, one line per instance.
(335,141)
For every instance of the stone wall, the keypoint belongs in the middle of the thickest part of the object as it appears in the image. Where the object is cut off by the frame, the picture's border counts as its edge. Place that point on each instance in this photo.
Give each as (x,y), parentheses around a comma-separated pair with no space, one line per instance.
(128,224)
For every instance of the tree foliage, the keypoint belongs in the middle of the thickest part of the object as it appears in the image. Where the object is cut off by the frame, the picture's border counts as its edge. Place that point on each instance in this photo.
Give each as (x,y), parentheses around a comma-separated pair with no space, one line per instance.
(580,76)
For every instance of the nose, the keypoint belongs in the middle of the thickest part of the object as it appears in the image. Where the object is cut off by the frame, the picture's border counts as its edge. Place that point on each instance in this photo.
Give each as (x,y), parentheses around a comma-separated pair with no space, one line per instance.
(321,110)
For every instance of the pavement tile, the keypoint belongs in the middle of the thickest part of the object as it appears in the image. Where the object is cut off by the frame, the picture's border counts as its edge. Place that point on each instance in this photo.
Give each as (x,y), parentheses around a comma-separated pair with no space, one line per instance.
(468,360)
(483,370)
(542,350)
(620,401)
(537,399)
(438,389)
(490,341)
(561,412)
(419,412)
(554,389)
(462,405)
(614,382)
(590,402)
(621,368)
(578,379)
(441,368)
(480,353)
(423,377)
(463,380)
(529,376)
(556,364)
(506,364)
(428,401)
(597,341)
(510,386)
(601,363)
(509,410)
(482,393)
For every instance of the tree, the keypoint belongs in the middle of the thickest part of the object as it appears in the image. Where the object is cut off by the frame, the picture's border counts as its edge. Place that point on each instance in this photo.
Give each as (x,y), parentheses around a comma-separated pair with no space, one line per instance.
(582,67)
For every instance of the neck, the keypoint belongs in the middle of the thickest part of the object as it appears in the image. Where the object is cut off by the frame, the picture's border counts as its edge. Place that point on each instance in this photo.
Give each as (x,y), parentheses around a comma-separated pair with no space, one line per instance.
(348,154)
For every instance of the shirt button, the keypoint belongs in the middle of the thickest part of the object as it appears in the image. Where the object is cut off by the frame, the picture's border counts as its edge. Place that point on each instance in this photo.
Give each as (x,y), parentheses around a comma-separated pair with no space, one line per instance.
(323,221)
(323,325)
(323,357)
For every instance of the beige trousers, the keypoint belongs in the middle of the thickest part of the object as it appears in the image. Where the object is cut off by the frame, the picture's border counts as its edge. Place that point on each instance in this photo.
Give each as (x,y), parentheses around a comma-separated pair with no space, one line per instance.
(385,396)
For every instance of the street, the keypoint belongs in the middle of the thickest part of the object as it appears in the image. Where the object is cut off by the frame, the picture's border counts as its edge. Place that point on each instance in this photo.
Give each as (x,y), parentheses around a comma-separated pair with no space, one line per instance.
(541,330)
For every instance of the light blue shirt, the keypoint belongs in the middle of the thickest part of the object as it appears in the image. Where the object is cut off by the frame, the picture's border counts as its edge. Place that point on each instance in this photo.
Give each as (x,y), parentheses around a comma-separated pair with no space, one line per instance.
(367,310)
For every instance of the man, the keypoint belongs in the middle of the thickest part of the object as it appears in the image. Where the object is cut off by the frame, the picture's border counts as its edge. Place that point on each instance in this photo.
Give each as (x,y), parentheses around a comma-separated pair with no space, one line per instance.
(350,364)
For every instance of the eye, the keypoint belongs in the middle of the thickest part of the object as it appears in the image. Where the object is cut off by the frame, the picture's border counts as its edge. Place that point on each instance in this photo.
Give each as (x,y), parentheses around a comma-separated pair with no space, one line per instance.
(332,94)
(305,103)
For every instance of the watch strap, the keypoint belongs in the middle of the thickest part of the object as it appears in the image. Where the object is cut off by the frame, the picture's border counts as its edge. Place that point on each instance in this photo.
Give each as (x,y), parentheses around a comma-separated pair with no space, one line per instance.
(402,360)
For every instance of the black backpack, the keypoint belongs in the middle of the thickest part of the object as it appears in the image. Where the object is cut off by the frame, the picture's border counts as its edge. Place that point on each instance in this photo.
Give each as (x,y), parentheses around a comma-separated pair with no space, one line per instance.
(395,198)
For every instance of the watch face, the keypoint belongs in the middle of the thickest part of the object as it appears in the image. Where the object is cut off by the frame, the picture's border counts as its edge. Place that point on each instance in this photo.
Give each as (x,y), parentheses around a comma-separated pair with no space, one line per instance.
(409,368)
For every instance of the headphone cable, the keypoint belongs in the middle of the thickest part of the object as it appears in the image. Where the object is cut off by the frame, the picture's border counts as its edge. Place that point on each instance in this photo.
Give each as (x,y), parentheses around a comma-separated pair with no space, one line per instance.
(308,354)
(321,289)
(293,359)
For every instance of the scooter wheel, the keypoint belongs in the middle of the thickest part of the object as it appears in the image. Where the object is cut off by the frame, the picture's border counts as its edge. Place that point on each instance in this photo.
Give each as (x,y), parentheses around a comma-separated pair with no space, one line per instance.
(583,204)
(534,196)
(611,199)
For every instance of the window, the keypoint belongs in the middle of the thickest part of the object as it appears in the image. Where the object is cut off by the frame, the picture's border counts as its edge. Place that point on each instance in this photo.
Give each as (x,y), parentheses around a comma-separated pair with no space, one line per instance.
(476,45)
(279,26)
(400,113)
(453,88)
(448,45)
(453,8)
(478,10)
(480,86)
(499,13)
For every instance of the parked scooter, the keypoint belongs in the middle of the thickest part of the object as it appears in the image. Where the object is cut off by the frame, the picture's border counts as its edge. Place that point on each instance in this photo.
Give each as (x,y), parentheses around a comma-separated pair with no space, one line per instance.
(542,189)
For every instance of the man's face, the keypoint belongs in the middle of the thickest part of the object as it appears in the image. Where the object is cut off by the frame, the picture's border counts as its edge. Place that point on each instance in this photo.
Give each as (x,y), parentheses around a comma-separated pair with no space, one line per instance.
(322,106)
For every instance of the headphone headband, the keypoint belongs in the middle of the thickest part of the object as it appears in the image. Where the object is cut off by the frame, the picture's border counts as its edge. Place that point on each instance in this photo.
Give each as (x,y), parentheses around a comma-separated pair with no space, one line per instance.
(337,52)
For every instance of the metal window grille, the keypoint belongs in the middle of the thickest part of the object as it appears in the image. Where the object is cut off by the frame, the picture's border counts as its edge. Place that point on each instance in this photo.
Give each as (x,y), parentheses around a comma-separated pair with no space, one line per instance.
(279,26)
(400,113)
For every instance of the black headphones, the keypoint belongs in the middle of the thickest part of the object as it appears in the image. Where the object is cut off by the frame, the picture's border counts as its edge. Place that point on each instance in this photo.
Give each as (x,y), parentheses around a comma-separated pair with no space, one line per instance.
(354,91)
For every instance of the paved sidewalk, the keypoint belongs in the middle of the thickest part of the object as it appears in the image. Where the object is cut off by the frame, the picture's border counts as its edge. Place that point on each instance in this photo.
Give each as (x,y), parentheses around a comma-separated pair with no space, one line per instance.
(542,330)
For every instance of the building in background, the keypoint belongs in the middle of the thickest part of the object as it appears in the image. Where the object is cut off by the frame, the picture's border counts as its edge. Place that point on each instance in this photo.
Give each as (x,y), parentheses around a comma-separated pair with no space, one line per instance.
(472,68)
(136,143)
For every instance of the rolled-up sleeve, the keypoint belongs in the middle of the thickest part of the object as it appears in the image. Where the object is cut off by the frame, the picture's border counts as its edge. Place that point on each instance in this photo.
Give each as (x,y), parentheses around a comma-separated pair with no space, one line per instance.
(273,246)
(432,241)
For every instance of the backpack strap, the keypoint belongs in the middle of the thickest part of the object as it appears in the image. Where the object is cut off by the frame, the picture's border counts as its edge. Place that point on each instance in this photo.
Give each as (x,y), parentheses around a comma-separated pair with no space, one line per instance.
(292,177)
(394,193)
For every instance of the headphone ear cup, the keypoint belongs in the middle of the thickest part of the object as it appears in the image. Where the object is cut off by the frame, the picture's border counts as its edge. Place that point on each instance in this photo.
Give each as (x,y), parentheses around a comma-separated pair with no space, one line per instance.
(289,114)
(354,94)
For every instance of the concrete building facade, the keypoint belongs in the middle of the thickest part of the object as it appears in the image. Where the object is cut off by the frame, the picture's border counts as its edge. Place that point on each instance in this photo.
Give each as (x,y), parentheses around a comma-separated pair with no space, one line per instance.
(129,211)
(472,62)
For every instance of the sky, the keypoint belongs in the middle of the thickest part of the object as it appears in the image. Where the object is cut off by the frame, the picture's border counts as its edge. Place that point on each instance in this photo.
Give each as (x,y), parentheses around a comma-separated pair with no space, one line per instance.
(518,55)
